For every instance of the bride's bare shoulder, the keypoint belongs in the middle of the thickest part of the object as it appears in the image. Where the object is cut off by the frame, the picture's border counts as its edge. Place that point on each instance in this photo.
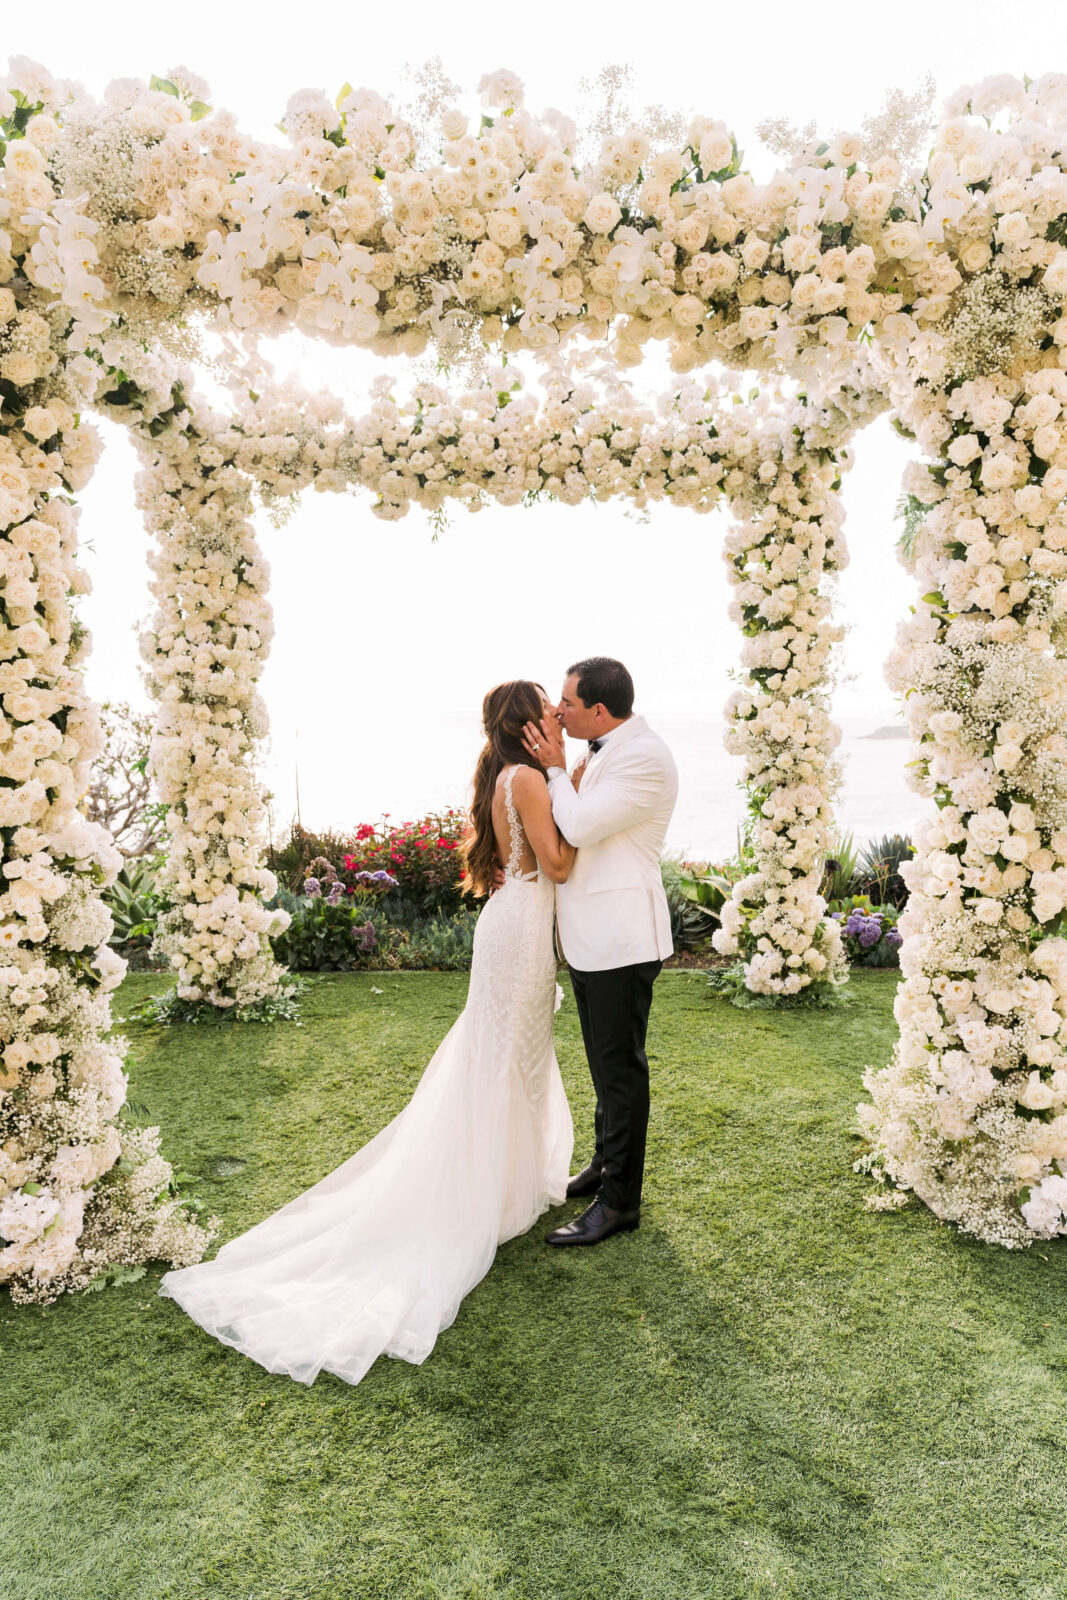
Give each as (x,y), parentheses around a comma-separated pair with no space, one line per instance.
(528,783)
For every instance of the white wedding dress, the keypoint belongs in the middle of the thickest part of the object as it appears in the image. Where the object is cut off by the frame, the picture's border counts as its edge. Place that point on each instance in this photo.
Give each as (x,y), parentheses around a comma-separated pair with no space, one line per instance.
(375,1258)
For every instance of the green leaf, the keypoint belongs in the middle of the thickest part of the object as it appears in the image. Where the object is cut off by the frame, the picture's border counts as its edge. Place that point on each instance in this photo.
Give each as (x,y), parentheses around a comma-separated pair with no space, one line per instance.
(343,93)
(31,1188)
(934,598)
(199,110)
(164,84)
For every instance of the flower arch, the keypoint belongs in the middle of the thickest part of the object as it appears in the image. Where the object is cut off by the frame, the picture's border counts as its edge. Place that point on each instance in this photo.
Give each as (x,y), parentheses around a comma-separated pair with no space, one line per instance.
(938,291)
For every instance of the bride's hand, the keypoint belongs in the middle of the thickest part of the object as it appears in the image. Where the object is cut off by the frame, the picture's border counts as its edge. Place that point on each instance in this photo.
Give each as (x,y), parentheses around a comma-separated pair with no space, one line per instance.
(544,741)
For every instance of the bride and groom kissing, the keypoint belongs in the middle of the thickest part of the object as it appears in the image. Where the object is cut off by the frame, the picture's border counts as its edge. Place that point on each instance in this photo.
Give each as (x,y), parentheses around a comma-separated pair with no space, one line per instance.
(377,1256)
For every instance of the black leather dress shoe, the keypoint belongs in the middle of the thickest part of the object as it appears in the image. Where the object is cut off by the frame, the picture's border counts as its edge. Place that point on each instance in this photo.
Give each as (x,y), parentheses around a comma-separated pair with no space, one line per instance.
(585,1182)
(595,1223)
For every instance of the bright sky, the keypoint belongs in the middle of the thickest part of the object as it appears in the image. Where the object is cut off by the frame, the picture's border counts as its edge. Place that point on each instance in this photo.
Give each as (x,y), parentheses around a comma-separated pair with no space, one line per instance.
(386,641)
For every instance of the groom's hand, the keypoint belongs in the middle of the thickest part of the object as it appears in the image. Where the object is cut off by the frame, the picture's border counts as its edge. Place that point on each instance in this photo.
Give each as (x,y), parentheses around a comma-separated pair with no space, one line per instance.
(544,741)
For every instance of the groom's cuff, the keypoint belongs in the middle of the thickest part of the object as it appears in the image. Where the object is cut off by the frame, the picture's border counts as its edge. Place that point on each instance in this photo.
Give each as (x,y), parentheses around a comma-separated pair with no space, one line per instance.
(555,772)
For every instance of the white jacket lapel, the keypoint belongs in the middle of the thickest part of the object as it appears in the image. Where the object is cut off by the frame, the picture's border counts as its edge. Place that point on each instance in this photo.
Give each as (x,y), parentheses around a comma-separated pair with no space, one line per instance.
(631,729)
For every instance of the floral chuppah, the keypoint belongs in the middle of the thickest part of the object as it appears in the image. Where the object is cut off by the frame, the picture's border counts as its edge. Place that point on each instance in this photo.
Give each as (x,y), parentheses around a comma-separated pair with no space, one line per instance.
(126,217)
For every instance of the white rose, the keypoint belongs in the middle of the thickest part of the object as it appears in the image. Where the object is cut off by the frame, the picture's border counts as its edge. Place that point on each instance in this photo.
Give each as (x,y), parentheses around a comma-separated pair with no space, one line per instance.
(1046,906)
(1000,470)
(756,321)
(900,238)
(1047,441)
(602,213)
(964,448)
(166,232)
(975,255)
(716,150)
(688,310)
(1037,1095)
(18,367)
(754,252)
(39,423)
(692,233)
(1013,228)
(1006,757)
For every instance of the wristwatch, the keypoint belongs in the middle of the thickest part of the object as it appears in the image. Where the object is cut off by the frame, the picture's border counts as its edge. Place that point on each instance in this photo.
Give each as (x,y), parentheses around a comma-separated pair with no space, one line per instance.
(555,772)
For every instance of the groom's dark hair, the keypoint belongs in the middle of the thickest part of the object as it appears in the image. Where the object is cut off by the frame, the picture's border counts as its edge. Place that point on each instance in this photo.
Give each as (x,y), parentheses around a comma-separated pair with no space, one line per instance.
(605,681)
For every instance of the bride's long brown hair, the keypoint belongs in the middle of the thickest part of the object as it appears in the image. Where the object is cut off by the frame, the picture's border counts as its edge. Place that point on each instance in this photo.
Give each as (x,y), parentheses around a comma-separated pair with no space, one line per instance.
(505,710)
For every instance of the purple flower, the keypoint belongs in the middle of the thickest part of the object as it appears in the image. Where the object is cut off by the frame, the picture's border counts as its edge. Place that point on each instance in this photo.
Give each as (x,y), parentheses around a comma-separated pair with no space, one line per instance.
(312,888)
(377,880)
(894,937)
(336,890)
(368,937)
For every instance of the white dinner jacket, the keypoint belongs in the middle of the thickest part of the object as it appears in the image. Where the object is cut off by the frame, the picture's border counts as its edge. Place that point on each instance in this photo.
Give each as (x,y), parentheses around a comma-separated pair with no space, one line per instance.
(612,910)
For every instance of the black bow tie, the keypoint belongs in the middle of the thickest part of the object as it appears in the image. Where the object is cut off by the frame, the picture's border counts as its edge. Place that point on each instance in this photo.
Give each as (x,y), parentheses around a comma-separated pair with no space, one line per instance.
(594,746)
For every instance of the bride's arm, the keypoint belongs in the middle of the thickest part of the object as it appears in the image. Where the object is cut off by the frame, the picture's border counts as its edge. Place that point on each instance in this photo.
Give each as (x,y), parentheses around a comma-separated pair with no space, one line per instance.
(554,855)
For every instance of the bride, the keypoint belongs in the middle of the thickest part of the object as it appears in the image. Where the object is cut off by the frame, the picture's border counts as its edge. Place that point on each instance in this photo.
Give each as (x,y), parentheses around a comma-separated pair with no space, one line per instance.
(375,1258)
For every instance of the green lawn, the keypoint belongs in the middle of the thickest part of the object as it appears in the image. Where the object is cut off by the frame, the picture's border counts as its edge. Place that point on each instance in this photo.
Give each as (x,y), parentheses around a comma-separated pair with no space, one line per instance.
(767,1391)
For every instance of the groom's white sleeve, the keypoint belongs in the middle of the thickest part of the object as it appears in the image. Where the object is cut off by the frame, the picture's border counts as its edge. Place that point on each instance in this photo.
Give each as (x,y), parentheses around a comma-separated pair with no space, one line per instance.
(625,796)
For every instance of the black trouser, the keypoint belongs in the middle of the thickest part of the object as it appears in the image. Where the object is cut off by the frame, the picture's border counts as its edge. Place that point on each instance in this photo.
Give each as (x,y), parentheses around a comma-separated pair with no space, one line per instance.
(613,1007)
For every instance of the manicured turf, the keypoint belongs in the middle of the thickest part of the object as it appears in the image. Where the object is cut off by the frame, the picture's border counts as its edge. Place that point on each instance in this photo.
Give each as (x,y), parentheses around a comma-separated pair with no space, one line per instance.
(766,1391)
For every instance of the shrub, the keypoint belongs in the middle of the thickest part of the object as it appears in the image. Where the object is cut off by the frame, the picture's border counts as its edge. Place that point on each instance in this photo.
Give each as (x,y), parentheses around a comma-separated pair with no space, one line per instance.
(290,862)
(136,904)
(424,858)
(692,902)
(333,936)
(445,944)
(878,873)
(840,869)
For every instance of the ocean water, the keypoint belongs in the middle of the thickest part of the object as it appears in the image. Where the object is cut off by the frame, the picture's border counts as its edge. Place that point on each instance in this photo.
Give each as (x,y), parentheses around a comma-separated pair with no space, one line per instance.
(402,778)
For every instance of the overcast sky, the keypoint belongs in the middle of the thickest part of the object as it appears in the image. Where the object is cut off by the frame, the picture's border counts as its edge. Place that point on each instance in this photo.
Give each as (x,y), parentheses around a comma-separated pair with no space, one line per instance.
(387,640)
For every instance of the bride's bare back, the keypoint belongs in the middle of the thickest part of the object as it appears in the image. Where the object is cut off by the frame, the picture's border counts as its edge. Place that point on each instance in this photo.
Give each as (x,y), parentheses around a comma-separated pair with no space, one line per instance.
(502,835)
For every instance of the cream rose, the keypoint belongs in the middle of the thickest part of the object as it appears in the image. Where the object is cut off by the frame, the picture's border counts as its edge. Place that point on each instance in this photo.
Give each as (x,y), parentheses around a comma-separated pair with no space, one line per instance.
(602,213)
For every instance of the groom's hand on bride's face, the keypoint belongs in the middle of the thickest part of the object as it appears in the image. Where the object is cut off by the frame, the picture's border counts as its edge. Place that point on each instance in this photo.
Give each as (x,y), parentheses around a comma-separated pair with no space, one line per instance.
(544,741)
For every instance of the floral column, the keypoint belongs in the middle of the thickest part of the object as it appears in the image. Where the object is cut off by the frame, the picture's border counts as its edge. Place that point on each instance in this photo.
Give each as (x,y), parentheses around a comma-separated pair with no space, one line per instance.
(778,560)
(205,648)
(972,1112)
(82,1191)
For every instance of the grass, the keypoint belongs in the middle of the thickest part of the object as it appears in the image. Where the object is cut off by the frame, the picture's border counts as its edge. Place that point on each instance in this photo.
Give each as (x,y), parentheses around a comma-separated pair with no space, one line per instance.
(766,1391)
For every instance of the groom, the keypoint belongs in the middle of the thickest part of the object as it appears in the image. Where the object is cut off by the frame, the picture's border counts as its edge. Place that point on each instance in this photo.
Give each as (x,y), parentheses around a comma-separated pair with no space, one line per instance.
(612,918)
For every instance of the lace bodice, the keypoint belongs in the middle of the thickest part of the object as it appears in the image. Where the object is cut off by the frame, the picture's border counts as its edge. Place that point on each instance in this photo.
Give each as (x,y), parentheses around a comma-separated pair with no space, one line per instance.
(516,836)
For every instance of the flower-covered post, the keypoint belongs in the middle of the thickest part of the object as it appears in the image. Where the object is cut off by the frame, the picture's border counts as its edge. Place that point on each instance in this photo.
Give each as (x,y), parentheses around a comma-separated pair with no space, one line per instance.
(83,1191)
(205,648)
(971,1114)
(781,559)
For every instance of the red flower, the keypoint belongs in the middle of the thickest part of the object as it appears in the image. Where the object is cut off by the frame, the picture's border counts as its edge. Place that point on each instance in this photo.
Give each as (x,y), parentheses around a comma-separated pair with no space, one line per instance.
(445,844)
